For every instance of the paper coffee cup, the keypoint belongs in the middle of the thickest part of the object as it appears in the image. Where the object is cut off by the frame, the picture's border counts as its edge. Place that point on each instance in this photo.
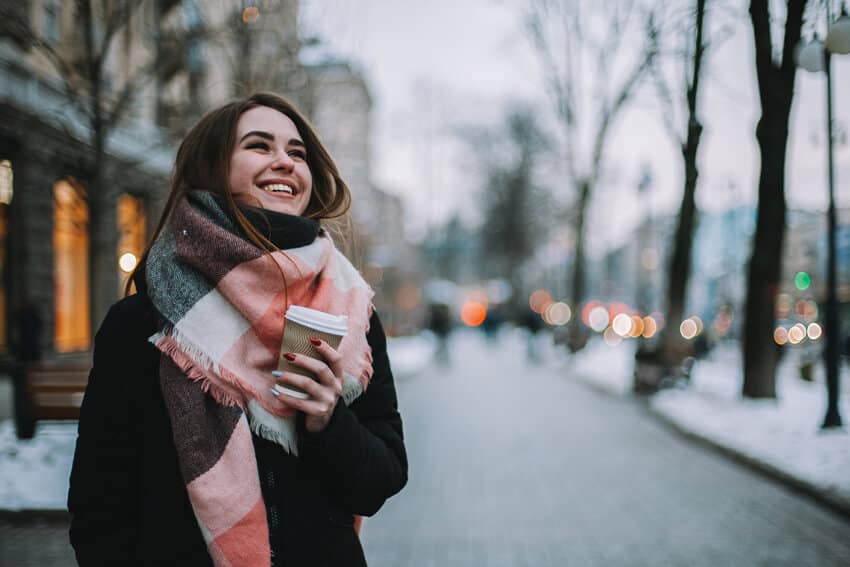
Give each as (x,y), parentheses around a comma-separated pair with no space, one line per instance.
(301,324)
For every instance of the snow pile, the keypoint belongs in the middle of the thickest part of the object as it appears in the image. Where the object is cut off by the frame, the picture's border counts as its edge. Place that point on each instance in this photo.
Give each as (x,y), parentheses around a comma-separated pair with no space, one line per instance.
(782,435)
(34,473)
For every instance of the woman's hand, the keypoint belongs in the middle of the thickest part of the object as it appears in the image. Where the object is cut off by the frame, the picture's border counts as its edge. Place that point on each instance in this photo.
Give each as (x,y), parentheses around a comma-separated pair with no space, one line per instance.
(323,394)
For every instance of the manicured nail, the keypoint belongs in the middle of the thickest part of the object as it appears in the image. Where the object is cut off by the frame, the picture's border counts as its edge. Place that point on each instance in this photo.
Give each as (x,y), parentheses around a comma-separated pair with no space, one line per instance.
(289,356)
(274,392)
(315,341)
(277,373)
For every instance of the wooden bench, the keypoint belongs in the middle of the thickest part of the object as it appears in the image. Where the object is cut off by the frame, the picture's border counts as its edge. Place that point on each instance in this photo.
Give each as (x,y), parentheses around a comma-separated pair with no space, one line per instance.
(48,391)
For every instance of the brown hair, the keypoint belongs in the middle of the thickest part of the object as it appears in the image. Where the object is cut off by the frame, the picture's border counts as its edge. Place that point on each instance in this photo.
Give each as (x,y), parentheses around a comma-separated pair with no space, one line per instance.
(203,163)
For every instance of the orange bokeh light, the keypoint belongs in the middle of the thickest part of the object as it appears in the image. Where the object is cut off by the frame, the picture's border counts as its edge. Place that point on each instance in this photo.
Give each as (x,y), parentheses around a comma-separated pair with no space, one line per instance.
(473,313)
(539,300)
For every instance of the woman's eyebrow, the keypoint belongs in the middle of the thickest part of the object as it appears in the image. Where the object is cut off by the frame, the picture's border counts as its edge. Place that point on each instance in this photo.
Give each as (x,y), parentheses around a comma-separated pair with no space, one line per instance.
(259,133)
(270,137)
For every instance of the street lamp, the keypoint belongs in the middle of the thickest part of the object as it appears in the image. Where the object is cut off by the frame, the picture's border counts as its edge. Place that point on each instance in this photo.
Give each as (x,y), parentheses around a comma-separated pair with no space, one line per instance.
(815,57)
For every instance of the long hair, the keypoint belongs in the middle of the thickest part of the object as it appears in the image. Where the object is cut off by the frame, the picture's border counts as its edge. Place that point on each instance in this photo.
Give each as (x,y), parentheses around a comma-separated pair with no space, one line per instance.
(203,164)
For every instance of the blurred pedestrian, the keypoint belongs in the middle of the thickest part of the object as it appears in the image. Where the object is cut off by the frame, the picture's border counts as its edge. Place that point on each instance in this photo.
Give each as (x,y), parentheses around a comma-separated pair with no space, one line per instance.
(532,322)
(440,323)
(188,453)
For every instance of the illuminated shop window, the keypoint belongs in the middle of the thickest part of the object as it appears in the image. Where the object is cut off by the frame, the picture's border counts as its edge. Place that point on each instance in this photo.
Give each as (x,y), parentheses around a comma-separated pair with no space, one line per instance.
(131,240)
(72,330)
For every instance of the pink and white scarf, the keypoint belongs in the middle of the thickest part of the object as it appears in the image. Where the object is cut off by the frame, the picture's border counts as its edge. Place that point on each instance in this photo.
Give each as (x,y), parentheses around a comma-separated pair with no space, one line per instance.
(222,302)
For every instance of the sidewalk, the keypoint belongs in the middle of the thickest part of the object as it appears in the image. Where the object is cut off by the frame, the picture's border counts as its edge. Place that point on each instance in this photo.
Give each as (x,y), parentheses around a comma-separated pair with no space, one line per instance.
(780,437)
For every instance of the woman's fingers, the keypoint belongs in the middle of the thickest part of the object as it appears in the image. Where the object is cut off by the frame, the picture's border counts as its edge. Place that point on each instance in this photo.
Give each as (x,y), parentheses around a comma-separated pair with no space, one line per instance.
(330,354)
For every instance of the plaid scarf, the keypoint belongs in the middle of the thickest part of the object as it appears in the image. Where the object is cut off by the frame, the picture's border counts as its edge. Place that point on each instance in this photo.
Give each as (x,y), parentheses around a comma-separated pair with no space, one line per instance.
(222,302)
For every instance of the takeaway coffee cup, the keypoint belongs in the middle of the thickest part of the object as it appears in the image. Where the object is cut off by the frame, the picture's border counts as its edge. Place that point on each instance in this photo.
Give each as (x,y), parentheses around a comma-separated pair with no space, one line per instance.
(301,324)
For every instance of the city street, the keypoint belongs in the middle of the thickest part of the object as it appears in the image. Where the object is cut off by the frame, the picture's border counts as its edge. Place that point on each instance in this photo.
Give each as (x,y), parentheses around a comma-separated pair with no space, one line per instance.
(513,465)
(518,464)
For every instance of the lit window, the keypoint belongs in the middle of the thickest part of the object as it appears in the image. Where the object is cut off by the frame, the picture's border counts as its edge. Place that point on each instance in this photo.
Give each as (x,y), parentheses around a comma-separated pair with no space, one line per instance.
(72,330)
(6,190)
(131,240)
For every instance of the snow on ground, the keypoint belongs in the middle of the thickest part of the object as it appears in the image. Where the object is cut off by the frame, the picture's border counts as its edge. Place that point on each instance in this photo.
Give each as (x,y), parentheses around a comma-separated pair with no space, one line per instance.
(34,473)
(782,435)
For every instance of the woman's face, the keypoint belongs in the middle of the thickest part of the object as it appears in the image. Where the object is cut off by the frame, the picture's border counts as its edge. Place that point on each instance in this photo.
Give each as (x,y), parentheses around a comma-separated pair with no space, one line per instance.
(269,163)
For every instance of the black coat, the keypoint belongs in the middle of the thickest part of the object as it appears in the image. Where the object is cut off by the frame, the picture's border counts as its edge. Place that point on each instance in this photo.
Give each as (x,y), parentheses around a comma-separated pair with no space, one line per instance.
(128,501)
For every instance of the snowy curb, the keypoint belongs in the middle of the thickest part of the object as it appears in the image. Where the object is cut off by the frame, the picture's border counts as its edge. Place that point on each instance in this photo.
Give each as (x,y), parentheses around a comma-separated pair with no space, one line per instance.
(832,495)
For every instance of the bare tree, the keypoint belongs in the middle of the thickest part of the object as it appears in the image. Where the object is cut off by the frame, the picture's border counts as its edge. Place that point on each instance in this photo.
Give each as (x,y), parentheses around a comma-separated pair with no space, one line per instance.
(776,72)
(100,91)
(513,199)
(591,71)
(680,259)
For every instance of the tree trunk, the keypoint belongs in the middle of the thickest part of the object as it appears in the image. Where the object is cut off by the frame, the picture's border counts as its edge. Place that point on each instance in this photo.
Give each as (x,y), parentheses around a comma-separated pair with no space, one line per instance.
(578,276)
(680,262)
(760,350)
(776,92)
(577,334)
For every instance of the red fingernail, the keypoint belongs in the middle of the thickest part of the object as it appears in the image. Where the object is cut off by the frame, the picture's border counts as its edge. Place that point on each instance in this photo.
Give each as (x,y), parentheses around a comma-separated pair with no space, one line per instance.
(315,341)
(289,356)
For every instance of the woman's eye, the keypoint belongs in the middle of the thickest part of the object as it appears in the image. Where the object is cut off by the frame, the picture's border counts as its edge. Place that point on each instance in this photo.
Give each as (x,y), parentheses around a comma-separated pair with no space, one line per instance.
(257,146)
(298,154)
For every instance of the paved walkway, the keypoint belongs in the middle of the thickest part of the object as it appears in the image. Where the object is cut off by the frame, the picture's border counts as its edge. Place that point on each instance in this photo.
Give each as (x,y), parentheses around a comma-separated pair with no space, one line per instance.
(516,465)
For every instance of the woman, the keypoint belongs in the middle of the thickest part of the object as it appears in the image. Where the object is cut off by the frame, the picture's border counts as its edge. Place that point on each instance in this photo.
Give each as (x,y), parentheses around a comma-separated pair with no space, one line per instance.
(188,453)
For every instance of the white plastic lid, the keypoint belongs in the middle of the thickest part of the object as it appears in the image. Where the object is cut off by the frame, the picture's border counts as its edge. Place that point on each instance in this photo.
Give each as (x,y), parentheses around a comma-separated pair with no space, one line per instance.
(318,320)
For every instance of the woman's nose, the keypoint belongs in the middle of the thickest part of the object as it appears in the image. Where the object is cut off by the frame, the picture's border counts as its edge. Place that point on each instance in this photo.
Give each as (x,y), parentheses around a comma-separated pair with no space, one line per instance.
(282,160)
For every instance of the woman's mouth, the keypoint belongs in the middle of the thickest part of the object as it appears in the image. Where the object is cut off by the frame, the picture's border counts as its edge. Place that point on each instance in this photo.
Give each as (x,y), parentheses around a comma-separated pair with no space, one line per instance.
(279,188)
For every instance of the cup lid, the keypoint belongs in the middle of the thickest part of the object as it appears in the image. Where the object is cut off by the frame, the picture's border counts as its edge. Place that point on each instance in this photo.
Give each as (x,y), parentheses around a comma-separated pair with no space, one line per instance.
(318,320)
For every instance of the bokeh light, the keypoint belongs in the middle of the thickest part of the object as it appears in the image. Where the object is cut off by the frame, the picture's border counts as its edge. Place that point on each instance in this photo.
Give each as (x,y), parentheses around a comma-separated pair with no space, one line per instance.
(539,300)
(698,322)
(473,313)
(558,313)
(688,329)
(250,14)
(622,324)
(660,320)
(637,326)
(611,338)
(127,262)
(585,311)
(780,335)
(814,331)
(783,306)
(650,327)
(796,334)
(802,280)
(598,318)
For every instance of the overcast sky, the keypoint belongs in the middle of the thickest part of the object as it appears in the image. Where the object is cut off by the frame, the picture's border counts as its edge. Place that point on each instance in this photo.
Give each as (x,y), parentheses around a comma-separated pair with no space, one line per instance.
(438,67)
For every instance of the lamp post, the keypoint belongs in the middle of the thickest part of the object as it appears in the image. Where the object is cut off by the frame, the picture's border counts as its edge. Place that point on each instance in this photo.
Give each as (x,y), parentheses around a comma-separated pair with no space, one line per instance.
(817,56)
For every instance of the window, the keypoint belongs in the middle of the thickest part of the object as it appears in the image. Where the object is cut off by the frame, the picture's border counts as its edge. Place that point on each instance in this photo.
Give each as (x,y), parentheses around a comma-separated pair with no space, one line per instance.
(72,330)
(131,240)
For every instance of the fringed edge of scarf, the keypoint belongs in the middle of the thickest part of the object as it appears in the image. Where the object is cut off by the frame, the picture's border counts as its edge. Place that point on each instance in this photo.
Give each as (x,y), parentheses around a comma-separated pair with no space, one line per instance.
(198,367)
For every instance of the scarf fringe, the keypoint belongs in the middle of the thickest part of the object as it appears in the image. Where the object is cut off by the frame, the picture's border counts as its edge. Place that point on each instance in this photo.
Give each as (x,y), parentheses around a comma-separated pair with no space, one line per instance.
(196,365)
(272,428)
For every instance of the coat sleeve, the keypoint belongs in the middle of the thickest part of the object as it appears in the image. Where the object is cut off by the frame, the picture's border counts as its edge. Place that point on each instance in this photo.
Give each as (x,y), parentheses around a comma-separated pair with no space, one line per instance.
(103,496)
(361,452)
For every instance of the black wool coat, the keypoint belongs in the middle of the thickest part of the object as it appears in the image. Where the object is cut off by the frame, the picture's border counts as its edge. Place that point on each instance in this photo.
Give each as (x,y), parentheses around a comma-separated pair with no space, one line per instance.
(128,501)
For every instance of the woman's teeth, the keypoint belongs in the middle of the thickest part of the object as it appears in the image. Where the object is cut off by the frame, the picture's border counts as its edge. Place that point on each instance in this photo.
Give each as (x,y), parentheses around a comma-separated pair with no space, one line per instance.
(279,188)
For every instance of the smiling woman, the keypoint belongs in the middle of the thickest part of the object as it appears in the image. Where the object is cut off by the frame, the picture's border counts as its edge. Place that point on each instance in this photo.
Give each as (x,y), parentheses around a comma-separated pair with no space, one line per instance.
(187,401)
